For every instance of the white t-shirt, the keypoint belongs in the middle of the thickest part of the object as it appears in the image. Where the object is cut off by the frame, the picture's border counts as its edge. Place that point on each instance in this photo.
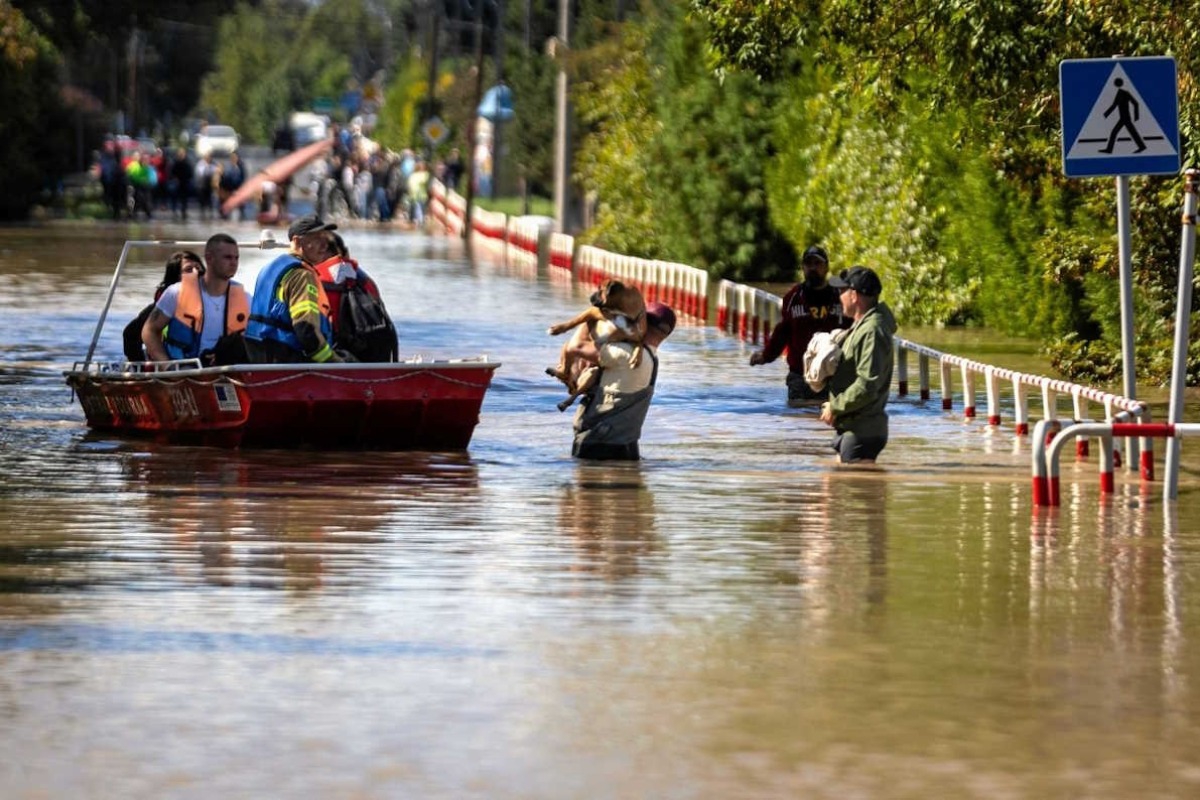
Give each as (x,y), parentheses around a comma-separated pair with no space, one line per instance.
(214,312)
(619,379)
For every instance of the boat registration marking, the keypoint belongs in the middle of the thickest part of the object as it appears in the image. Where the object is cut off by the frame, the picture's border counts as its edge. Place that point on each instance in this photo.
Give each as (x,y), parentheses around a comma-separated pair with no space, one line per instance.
(184,402)
(227,397)
(120,406)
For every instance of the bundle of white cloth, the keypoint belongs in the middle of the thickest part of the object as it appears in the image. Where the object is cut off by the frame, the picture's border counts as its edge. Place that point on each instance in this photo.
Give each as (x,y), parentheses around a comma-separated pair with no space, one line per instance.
(822,356)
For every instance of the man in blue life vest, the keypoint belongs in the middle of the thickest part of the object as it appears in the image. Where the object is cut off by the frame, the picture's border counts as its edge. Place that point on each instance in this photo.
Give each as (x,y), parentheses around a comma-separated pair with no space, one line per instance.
(291,318)
(202,316)
(809,307)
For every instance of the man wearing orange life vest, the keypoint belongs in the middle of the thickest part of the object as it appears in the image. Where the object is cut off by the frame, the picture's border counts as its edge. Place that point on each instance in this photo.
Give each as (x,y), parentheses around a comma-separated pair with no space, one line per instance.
(191,317)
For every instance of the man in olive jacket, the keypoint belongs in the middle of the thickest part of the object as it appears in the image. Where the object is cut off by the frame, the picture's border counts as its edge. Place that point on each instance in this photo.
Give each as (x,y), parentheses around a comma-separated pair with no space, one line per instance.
(858,390)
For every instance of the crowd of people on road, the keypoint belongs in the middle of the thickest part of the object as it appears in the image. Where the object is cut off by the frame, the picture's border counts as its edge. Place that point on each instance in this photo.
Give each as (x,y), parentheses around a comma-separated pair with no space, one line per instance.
(140,181)
(356,179)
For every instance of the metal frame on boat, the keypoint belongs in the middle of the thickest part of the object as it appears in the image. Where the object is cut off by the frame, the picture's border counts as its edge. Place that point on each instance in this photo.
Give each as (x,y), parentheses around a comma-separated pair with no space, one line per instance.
(416,404)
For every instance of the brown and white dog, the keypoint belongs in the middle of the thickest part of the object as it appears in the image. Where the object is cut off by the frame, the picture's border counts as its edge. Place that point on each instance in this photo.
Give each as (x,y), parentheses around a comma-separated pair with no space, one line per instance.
(617,314)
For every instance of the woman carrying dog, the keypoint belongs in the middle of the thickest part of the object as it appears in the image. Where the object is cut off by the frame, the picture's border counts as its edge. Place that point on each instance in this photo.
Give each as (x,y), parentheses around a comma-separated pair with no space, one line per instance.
(609,423)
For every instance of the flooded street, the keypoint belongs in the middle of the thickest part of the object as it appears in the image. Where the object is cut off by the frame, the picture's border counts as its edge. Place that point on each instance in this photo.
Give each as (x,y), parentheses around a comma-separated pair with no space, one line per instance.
(733,616)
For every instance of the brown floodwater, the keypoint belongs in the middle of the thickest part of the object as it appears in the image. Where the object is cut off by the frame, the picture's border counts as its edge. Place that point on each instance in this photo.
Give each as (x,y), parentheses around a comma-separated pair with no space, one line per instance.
(734,616)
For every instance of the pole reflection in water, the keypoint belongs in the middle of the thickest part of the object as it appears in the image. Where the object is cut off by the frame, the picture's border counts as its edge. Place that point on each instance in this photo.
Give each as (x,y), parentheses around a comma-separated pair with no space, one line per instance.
(734,616)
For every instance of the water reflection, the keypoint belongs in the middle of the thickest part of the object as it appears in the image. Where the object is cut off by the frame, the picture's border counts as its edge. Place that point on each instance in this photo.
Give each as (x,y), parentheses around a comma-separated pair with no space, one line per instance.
(842,542)
(731,617)
(284,520)
(609,512)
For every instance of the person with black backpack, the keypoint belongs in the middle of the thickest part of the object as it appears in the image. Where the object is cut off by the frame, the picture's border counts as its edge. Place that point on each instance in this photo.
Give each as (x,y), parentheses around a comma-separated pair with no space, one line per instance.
(361,324)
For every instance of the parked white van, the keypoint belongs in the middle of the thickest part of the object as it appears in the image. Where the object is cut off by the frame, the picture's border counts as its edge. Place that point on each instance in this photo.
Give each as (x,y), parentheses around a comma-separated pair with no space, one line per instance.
(308,127)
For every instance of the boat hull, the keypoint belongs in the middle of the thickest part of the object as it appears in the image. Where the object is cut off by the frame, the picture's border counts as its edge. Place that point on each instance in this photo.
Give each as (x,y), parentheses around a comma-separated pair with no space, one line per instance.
(404,406)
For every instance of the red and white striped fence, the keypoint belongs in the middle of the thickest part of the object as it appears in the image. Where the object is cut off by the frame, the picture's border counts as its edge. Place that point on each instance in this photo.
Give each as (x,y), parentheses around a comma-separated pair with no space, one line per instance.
(562,251)
(995,378)
(456,213)
(437,205)
(1049,439)
(749,313)
(683,288)
(523,242)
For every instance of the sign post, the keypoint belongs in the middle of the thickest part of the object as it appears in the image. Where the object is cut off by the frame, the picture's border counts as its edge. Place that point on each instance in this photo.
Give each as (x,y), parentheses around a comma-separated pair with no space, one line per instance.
(1120,117)
(1183,310)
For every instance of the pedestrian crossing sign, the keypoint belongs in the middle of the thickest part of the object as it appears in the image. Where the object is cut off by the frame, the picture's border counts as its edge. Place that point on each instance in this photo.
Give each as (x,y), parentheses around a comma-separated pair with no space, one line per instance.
(1120,116)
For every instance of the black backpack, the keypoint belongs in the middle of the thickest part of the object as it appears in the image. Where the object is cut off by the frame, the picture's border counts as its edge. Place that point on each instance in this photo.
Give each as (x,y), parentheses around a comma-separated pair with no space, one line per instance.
(364,328)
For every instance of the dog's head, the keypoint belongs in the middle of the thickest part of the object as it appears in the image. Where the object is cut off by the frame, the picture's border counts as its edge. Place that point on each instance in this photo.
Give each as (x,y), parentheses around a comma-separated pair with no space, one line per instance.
(614,296)
(608,294)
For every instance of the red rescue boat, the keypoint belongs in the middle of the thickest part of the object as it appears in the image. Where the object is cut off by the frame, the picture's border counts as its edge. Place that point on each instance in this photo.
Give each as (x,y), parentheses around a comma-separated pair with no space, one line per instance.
(409,405)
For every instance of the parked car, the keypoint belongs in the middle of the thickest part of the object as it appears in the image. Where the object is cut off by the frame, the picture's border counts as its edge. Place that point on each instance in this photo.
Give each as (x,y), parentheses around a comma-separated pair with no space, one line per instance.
(307,127)
(216,140)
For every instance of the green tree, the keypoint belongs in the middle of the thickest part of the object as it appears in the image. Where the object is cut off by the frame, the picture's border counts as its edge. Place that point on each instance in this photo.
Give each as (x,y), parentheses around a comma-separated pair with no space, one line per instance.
(677,157)
(262,74)
(614,90)
(970,89)
(35,129)
(405,97)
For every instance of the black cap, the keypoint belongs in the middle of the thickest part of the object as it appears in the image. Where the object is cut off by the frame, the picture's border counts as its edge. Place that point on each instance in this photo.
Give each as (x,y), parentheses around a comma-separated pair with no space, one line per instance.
(861,279)
(815,252)
(309,223)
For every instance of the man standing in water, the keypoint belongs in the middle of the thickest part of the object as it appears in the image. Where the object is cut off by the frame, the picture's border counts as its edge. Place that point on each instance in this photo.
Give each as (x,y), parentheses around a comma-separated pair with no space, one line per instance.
(609,423)
(858,390)
(809,307)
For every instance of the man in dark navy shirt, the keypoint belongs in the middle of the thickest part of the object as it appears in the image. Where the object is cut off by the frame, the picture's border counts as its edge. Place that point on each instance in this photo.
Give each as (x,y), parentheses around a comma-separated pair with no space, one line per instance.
(809,307)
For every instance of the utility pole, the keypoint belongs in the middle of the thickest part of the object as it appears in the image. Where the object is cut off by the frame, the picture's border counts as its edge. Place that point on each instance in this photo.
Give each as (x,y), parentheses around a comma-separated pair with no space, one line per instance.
(131,97)
(431,110)
(561,134)
(472,128)
(498,55)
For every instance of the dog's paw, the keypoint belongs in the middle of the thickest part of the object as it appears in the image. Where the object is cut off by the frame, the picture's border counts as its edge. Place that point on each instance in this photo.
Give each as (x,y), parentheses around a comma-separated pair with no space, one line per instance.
(565,404)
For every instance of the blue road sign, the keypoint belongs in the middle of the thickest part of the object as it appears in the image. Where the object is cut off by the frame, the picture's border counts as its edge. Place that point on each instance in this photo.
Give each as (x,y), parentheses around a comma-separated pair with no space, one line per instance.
(1120,116)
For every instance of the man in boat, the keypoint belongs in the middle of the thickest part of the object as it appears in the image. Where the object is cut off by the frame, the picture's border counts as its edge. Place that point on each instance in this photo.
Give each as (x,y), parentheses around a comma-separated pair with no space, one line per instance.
(361,325)
(180,263)
(203,316)
(291,317)
(811,306)
(609,423)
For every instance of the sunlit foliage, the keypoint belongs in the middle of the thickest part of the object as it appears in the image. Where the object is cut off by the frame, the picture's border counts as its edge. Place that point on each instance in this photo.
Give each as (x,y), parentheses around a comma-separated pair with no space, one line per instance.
(948,110)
